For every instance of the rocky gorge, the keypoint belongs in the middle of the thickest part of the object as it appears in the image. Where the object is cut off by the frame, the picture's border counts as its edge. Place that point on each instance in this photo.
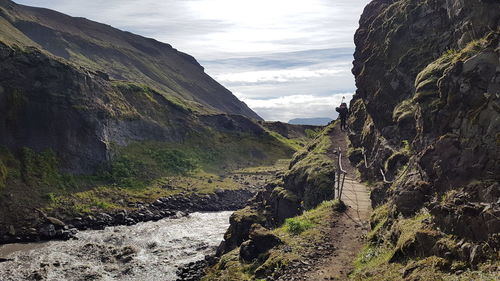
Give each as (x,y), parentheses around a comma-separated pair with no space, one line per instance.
(92,128)
(89,146)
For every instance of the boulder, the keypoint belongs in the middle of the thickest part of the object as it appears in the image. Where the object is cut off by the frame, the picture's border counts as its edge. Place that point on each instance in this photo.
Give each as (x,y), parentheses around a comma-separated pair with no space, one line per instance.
(47,231)
(260,242)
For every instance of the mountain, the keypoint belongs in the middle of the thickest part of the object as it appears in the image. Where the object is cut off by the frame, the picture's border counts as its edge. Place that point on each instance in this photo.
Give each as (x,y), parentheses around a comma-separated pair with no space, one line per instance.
(79,88)
(93,118)
(311,121)
(120,55)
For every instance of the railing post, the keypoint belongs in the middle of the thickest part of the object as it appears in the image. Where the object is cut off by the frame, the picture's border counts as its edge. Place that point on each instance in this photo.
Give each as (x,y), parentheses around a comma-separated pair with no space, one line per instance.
(341,172)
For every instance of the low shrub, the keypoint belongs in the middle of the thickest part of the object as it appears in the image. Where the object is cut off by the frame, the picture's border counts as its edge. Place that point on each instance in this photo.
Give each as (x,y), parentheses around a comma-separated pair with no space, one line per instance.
(297,225)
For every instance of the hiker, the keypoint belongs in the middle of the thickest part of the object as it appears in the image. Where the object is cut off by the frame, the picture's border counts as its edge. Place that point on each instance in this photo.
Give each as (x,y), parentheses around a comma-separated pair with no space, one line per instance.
(343,114)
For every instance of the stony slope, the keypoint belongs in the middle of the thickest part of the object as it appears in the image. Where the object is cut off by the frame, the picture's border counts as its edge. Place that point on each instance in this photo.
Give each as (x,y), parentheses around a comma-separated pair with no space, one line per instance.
(427,114)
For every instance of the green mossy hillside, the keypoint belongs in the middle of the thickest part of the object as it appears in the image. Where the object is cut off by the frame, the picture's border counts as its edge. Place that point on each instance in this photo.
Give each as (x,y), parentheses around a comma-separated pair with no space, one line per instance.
(312,170)
(141,171)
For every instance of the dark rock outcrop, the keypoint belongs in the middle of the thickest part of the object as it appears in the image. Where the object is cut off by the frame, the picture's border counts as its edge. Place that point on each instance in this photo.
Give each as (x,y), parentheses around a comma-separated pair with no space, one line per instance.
(260,241)
(427,114)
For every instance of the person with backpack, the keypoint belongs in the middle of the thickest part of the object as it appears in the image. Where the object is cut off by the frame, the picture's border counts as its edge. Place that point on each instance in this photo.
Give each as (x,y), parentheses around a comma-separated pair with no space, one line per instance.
(343,114)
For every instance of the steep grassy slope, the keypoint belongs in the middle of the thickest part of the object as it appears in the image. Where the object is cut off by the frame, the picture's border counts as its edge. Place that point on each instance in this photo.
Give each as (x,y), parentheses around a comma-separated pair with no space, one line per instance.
(427,114)
(120,55)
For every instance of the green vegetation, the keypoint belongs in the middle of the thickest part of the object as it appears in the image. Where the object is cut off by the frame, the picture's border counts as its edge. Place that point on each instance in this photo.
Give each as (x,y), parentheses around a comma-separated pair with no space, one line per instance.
(297,225)
(405,110)
(380,259)
(295,144)
(399,159)
(296,246)
(426,81)
(407,229)
(41,169)
(141,163)
(379,219)
(312,133)
(470,50)
(107,197)
(279,165)
(137,91)
(312,172)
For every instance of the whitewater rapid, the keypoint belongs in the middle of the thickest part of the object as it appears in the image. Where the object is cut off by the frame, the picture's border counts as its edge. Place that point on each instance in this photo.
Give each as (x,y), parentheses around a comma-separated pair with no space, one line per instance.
(150,251)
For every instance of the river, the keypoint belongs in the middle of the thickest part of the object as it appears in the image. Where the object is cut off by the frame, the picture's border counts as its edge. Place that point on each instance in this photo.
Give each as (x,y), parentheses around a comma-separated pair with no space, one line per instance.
(149,251)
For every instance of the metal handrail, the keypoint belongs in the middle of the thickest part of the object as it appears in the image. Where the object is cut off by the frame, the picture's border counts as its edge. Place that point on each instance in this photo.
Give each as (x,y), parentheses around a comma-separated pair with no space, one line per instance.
(368,166)
(383,176)
(341,173)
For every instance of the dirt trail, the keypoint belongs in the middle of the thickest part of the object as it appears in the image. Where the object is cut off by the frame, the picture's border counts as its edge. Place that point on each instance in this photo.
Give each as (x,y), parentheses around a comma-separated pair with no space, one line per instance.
(348,230)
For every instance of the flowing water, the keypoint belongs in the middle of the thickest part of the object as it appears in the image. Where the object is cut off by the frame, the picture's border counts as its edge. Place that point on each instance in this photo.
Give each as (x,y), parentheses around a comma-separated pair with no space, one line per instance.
(142,252)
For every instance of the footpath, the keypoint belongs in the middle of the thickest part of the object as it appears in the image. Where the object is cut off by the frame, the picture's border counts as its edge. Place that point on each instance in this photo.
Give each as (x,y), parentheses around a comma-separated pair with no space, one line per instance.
(348,231)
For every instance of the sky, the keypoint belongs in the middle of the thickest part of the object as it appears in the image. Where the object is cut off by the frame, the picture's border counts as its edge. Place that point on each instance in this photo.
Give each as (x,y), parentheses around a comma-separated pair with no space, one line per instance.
(284,58)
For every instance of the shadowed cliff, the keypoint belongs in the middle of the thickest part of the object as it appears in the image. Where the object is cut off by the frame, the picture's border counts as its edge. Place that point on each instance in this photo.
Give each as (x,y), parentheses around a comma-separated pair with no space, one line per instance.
(426,114)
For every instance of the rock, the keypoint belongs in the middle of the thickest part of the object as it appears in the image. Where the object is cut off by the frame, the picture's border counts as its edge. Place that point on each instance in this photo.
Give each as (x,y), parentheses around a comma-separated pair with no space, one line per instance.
(120,217)
(12,230)
(56,222)
(239,229)
(261,240)
(47,231)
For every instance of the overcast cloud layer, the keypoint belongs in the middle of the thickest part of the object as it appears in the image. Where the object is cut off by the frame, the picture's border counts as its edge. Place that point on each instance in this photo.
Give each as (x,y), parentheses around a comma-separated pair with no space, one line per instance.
(285,58)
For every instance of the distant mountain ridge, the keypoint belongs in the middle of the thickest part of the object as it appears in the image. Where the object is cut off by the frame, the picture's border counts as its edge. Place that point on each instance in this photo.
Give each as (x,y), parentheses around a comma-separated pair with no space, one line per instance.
(322,121)
(121,55)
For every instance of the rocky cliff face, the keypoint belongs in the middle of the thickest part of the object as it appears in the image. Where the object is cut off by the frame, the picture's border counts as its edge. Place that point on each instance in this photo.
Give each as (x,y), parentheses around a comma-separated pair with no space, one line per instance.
(78,87)
(427,115)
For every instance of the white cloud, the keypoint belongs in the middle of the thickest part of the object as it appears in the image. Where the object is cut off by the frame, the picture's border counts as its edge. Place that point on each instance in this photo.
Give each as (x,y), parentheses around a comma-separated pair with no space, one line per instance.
(226,28)
(218,32)
(276,75)
(296,106)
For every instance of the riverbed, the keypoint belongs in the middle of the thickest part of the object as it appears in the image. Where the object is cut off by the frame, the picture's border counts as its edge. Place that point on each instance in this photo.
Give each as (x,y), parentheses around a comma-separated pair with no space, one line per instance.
(143,252)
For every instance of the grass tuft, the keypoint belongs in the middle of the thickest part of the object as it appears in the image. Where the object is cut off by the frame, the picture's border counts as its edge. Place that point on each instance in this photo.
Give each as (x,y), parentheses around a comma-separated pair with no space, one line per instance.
(296,226)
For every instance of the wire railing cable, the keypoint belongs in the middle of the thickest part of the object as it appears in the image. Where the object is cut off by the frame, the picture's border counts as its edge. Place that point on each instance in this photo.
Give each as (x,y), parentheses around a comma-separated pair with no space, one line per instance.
(381,169)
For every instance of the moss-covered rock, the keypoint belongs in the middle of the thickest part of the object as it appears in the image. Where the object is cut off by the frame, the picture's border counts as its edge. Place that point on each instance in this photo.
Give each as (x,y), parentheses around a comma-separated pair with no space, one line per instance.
(312,172)
(241,222)
(426,114)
